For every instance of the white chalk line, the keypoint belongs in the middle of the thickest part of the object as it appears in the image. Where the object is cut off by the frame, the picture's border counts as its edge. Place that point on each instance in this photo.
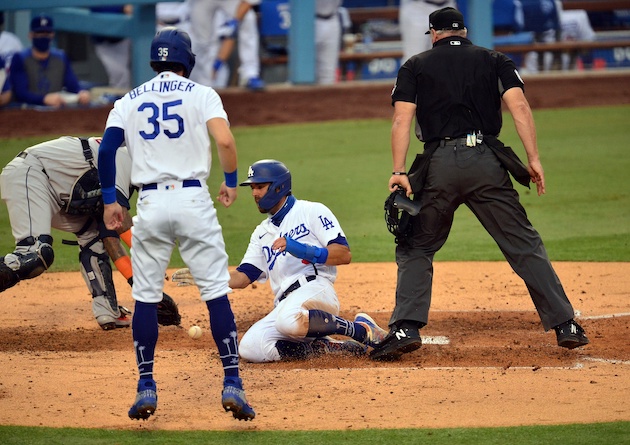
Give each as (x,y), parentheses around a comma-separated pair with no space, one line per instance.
(604,316)
(436,340)
(578,314)
(606,360)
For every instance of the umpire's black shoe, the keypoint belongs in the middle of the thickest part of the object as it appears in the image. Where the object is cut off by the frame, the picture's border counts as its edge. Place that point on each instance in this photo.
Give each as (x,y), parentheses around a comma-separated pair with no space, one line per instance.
(398,341)
(570,335)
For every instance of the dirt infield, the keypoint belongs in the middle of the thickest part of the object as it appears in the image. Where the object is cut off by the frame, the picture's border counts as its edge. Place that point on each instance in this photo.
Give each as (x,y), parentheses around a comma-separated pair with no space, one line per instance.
(486,359)
(498,368)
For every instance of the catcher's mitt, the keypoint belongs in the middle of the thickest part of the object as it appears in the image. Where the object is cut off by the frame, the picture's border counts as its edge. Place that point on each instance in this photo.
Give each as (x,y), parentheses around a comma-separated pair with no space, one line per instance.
(168,314)
(398,212)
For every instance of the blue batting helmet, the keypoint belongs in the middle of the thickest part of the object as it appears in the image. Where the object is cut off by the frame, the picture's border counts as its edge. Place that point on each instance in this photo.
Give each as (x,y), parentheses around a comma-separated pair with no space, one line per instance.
(276,174)
(171,44)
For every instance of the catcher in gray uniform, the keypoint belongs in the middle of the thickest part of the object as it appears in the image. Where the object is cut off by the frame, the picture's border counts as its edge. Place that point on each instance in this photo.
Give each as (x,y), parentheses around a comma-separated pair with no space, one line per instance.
(55,184)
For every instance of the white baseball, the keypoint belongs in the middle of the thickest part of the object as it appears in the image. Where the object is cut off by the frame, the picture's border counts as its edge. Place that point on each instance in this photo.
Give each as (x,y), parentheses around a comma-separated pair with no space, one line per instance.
(195,332)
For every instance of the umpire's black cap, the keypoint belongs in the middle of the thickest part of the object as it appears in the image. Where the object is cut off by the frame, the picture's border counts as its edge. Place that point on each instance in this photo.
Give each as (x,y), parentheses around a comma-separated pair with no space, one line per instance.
(445,18)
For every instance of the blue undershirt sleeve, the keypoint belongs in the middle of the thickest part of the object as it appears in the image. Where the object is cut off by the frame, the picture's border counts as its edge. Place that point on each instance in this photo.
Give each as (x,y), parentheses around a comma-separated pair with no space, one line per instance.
(252,272)
(112,139)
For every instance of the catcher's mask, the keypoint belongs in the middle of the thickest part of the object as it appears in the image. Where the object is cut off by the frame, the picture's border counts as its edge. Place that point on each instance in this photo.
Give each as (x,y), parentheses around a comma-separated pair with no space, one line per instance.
(173,45)
(276,174)
(398,212)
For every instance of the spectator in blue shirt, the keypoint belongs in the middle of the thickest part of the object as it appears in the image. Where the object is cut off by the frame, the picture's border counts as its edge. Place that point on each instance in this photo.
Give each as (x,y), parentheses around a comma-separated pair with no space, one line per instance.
(42,75)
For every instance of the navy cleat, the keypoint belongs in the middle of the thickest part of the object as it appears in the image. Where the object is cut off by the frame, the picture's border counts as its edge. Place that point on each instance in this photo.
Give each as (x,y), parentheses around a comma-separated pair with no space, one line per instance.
(233,399)
(146,400)
(375,334)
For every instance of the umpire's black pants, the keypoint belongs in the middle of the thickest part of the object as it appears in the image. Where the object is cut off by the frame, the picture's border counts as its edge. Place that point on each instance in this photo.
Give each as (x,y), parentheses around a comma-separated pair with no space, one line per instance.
(473,176)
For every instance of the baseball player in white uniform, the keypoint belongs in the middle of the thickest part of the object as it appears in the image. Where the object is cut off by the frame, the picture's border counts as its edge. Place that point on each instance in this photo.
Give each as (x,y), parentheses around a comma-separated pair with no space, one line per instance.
(50,185)
(413,16)
(211,19)
(327,40)
(297,248)
(166,122)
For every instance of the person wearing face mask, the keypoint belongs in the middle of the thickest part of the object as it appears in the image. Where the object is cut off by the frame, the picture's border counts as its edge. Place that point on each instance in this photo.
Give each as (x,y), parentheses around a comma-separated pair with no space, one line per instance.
(42,75)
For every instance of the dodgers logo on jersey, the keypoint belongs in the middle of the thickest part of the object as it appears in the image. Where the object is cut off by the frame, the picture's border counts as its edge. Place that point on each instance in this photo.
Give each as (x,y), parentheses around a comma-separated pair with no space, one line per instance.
(296,233)
(326,223)
(271,256)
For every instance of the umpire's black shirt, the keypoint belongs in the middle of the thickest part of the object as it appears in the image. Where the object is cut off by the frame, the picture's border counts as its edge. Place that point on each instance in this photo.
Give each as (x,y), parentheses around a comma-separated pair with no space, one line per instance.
(457,87)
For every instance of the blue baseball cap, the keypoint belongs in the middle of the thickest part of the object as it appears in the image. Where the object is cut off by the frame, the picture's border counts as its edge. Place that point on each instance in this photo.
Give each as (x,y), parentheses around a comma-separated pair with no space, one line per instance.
(42,23)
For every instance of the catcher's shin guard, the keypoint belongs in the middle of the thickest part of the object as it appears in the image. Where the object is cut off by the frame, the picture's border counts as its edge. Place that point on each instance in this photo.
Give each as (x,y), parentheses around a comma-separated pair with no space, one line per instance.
(30,259)
(96,269)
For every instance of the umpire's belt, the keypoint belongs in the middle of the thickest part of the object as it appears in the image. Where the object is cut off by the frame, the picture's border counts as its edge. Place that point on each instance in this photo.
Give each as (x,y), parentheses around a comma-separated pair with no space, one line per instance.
(295,286)
(461,141)
(172,184)
(450,142)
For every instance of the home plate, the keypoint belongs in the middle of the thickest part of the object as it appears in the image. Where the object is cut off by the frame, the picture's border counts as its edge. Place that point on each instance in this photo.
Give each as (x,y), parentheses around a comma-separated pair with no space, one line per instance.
(437,340)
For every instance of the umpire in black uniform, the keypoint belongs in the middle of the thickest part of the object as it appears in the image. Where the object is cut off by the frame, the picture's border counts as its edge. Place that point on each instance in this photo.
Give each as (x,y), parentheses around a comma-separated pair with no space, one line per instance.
(454,90)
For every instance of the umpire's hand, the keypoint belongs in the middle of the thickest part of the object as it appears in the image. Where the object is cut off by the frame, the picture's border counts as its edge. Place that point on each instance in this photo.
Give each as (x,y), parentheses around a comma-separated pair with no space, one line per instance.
(400,181)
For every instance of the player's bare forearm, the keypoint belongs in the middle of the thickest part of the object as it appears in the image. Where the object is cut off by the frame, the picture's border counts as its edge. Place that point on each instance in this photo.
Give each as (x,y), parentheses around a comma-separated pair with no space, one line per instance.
(238,280)
(114,248)
(338,254)
(226,145)
(525,127)
(404,113)
(242,9)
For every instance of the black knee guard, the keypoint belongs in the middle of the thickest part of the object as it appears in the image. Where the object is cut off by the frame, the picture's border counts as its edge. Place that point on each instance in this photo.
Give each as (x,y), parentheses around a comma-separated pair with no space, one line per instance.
(23,265)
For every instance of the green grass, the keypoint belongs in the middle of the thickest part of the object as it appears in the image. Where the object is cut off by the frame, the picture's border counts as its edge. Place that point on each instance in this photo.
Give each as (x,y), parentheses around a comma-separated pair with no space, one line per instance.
(585,215)
(617,433)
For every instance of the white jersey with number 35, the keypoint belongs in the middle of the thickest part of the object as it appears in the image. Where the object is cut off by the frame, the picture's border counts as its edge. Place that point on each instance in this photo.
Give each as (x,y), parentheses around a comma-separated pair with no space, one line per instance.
(167,140)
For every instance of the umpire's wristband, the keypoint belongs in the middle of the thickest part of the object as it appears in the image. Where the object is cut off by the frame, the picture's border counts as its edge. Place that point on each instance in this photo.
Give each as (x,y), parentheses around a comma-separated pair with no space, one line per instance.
(231,179)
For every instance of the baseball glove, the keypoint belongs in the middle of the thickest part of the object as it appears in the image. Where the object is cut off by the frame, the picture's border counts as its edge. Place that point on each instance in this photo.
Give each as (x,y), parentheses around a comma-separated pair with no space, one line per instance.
(168,314)
(183,277)
(398,212)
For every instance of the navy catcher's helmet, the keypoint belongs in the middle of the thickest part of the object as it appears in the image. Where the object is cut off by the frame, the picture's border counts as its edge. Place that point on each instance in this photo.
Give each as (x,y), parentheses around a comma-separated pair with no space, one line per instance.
(273,172)
(171,44)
